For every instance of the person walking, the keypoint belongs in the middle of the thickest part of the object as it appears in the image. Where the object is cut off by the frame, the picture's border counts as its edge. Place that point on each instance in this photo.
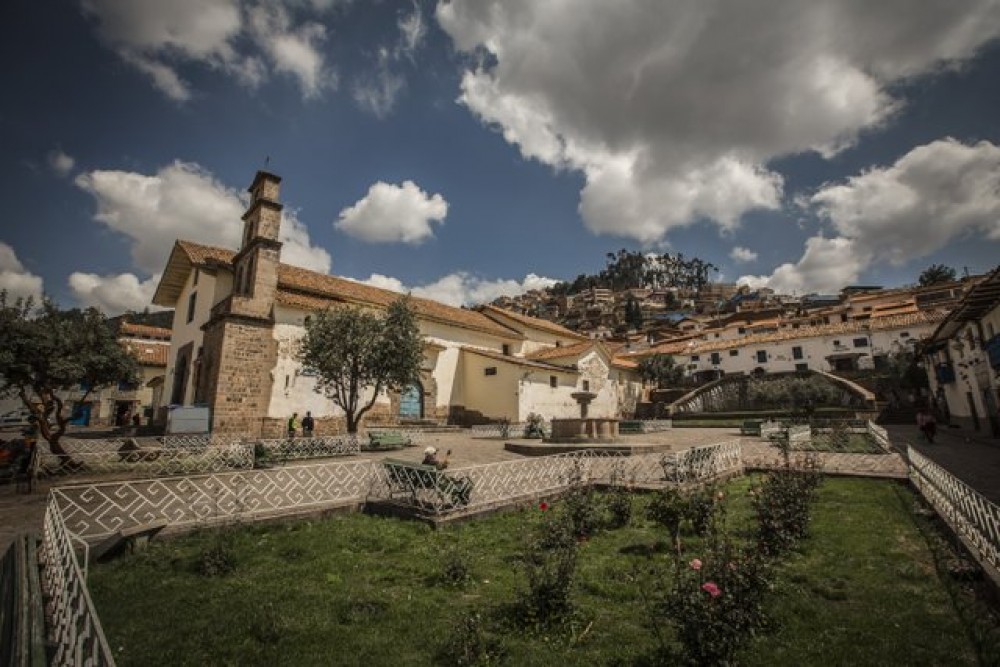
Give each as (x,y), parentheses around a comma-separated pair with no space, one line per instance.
(293,424)
(307,425)
(927,424)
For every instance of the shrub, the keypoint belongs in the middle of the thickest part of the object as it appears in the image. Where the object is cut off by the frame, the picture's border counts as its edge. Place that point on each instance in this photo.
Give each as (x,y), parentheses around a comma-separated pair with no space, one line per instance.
(533,428)
(471,644)
(550,565)
(619,504)
(668,508)
(701,510)
(783,504)
(716,603)
(217,560)
(455,568)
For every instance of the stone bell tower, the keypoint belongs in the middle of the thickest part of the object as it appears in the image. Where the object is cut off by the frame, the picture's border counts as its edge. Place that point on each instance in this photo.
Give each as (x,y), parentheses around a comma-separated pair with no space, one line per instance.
(239,346)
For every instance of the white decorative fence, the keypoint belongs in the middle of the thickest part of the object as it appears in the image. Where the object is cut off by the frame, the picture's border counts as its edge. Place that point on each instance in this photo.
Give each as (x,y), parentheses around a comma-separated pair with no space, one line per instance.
(307,448)
(508,482)
(656,425)
(93,511)
(767,429)
(73,628)
(502,430)
(879,436)
(975,520)
(415,435)
(142,457)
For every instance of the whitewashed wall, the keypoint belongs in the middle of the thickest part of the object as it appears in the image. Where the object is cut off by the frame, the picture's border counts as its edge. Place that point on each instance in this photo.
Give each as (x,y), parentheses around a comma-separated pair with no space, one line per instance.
(184,332)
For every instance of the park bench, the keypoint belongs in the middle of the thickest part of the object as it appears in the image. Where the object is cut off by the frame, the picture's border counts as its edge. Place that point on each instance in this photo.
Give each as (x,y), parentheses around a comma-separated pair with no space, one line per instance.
(630,426)
(388,440)
(751,427)
(426,486)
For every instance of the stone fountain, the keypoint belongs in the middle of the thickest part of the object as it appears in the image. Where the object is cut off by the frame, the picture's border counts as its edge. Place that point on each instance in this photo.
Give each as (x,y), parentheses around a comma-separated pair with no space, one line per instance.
(584,429)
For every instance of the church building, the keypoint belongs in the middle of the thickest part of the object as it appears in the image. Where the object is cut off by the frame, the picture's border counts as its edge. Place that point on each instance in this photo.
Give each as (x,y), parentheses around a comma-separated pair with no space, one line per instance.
(239,316)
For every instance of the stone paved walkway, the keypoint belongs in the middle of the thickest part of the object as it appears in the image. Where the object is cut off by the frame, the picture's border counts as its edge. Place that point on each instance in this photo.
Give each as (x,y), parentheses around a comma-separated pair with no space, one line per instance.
(973,458)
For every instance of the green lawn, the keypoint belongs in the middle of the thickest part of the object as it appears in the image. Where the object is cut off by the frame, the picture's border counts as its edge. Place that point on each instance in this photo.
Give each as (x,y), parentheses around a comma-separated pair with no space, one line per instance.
(354,589)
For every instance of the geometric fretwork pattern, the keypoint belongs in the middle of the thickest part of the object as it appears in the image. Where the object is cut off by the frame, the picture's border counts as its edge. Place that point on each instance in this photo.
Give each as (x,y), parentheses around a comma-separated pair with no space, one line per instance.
(92,511)
(311,448)
(152,459)
(880,460)
(507,482)
(974,519)
(73,627)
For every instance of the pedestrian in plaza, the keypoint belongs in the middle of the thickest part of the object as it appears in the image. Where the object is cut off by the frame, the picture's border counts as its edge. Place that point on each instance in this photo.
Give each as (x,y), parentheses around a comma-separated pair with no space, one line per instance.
(293,424)
(927,424)
(431,458)
(307,425)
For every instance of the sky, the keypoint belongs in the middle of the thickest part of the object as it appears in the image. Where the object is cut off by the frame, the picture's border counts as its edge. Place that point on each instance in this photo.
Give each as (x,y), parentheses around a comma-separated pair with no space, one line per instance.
(467,149)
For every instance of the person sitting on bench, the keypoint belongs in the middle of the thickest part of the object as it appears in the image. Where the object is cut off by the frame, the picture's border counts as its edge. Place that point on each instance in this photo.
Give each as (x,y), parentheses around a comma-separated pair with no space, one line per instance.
(431,458)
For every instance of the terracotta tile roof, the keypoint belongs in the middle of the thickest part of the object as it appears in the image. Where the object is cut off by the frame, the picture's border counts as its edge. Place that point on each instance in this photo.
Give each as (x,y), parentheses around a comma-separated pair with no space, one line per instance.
(148,353)
(311,290)
(315,291)
(130,329)
(202,255)
(534,322)
(519,361)
(622,362)
(854,326)
(574,350)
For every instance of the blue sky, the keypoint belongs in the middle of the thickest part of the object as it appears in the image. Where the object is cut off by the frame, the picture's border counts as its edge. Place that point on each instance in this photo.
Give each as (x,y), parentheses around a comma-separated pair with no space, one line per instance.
(468,149)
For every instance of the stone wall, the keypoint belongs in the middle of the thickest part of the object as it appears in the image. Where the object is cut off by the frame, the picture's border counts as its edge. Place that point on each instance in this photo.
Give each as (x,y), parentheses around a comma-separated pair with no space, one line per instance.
(242,353)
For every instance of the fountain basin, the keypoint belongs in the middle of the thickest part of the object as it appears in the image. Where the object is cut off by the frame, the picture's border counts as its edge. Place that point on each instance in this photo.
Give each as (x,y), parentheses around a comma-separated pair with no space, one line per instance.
(584,430)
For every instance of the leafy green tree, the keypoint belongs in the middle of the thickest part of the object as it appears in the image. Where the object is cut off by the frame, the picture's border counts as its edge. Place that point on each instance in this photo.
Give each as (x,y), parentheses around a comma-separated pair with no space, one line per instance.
(935,274)
(661,370)
(357,354)
(45,353)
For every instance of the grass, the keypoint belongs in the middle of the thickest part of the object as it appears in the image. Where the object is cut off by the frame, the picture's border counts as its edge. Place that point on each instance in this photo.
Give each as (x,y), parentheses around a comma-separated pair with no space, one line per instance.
(848,443)
(354,589)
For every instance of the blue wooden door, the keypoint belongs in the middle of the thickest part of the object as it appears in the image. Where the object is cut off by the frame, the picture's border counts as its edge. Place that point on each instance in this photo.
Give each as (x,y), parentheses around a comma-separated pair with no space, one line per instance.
(411,403)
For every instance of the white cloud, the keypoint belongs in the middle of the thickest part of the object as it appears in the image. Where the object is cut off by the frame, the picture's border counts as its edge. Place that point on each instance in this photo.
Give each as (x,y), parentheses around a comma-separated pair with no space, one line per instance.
(827,265)
(741,254)
(183,200)
(114,294)
(412,31)
(932,195)
(393,213)
(230,36)
(293,50)
(461,288)
(15,279)
(672,111)
(61,163)
(378,92)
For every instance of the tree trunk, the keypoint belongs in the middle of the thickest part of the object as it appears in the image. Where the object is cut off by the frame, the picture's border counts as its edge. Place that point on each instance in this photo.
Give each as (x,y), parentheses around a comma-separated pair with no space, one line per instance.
(352,422)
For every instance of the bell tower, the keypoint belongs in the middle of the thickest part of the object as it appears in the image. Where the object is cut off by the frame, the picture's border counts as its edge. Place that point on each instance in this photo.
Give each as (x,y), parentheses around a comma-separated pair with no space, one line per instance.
(239,346)
(255,266)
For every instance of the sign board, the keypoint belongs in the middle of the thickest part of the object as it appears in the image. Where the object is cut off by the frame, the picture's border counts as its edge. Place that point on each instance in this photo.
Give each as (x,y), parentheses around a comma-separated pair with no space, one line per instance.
(187,419)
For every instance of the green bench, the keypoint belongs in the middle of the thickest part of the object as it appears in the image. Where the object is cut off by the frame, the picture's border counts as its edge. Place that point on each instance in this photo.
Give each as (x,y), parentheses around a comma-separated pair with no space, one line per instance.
(751,427)
(388,440)
(630,426)
(426,486)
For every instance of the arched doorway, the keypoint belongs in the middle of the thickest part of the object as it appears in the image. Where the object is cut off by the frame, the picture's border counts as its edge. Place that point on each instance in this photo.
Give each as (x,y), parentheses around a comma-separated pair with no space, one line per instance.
(411,402)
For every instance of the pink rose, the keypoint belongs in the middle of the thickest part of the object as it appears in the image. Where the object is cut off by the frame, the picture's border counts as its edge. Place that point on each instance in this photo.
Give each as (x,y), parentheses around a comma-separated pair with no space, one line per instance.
(695,564)
(711,588)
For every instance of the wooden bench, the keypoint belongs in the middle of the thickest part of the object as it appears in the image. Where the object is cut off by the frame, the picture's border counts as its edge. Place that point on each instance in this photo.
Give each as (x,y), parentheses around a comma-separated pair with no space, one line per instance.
(426,486)
(751,427)
(630,426)
(388,440)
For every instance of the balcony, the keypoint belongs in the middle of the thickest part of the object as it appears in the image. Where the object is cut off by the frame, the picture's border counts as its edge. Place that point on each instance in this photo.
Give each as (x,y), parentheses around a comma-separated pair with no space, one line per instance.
(945,373)
(992,347)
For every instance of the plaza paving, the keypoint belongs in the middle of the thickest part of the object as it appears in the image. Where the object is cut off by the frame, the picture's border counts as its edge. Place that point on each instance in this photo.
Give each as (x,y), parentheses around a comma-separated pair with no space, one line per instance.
(971,457)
